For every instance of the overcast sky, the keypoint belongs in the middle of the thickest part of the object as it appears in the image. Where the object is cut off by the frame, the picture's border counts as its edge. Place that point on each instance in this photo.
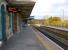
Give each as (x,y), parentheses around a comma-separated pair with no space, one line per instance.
(50,8)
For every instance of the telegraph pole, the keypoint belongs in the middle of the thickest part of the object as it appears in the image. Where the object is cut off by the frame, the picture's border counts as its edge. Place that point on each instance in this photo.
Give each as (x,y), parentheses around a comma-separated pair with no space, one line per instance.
(63,18)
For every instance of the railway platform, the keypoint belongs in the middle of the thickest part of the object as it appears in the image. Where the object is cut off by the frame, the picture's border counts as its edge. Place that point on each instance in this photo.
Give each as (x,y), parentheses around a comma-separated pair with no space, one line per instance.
(60,28)
(25,40)
(30,39)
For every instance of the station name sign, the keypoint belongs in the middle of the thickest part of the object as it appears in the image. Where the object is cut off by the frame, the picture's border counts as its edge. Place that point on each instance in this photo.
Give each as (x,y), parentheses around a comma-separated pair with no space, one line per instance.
(10,9)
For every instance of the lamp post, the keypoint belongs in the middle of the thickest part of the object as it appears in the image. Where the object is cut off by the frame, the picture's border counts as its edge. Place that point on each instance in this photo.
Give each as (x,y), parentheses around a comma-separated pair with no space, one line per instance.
(62,17)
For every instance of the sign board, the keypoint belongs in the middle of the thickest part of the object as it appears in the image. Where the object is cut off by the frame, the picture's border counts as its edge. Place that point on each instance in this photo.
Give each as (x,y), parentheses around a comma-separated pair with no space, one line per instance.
(10,9)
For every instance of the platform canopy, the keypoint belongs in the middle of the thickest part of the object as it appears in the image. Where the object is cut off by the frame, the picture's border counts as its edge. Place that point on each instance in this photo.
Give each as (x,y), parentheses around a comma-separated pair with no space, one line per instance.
(24,7)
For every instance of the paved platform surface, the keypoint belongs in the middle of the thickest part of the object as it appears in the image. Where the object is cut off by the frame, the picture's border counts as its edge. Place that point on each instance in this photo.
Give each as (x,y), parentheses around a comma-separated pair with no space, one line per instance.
(26,40)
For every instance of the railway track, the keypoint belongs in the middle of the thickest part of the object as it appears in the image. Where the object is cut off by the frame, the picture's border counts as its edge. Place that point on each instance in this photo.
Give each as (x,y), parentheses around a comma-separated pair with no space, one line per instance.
(58,36)
(60,33)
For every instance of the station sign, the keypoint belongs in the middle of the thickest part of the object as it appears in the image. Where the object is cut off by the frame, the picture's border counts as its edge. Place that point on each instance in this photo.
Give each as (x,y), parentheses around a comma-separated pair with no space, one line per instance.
(11,9)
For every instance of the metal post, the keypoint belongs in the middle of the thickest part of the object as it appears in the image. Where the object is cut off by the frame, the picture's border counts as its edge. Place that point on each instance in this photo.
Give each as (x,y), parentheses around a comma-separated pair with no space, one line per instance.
(63,18)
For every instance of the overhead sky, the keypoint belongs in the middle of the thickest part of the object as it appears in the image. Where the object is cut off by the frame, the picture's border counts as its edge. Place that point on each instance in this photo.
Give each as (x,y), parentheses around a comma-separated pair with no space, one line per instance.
(50,8)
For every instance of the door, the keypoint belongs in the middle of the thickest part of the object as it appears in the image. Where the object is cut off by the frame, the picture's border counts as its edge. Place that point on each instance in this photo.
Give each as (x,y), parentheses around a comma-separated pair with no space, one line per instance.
(3,22)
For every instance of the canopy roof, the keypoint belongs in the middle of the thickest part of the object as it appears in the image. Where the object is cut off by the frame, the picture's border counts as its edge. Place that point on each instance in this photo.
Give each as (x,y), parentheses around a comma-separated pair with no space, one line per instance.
(25,7)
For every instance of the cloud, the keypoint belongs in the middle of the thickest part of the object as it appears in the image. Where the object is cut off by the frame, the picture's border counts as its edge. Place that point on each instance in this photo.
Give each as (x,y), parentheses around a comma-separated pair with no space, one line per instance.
(50,7)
